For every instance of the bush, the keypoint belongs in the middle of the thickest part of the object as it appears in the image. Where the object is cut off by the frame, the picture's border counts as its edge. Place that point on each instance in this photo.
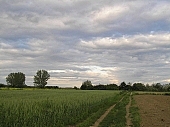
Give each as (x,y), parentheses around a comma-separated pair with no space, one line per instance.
(2,85)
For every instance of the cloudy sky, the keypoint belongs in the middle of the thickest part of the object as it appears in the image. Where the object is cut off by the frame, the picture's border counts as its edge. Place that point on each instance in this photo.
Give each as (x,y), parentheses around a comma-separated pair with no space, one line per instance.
(105,41)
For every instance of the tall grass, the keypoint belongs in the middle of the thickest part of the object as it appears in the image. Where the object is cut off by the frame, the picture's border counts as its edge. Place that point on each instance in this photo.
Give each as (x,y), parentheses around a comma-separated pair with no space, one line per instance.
(50,108)
(92,119)
(116,117)
(134,111)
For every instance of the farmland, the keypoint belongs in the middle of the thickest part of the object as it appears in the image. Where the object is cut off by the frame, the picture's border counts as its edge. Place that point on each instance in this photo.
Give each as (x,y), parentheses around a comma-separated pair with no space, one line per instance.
(54,108)
(82,108)
(154,110)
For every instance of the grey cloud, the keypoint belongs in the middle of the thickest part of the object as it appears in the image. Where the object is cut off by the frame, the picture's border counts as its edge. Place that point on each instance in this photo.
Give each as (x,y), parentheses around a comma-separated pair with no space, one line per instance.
(78,16)
(104,41)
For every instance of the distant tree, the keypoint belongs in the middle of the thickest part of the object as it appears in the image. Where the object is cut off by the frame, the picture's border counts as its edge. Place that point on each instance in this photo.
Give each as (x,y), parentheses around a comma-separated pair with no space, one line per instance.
(158,87)
(87,85)
(75,87)
(168,89)
(128,86)
(41,78)
(152,87)
(99,87)
(112,87)
(138,87)
(122,86)
(16,80)
(52,87)
(2,85)
(149,88)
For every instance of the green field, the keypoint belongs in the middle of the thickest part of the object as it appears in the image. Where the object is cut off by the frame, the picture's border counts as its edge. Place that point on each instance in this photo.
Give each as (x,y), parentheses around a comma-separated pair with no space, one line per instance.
(53,108)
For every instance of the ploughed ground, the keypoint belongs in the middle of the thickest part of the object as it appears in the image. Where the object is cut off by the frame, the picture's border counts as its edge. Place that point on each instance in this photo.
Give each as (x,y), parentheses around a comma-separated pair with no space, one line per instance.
(154,110)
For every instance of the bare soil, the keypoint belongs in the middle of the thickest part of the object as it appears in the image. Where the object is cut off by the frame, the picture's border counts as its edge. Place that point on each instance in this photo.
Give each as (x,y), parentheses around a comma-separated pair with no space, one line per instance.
(154,110)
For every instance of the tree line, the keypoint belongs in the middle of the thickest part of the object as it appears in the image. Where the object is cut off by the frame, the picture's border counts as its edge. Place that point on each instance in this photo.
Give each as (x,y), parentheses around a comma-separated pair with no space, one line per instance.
(17,80)
(158,87)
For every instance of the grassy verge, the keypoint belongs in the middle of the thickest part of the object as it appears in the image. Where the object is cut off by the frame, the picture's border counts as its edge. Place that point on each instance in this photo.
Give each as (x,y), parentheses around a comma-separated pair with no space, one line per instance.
(150,93)
(134,113)
(116,118)
(168,94)
(92,119)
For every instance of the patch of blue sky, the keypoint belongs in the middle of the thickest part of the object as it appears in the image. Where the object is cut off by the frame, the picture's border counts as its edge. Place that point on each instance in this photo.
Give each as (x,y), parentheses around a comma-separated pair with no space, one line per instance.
(22,44)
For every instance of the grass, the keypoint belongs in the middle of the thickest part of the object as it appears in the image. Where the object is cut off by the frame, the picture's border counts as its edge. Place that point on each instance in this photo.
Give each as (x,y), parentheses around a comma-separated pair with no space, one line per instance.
(116,118)
(53,108)
(150,93)
(168,94)
(134,111)
(92,119)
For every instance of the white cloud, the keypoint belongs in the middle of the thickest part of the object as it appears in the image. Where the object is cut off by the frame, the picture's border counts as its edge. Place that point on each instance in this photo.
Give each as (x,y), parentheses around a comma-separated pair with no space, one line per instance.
(141,41)
(56,71)
(79,40)
(158,12)
(109,14)
(167,80)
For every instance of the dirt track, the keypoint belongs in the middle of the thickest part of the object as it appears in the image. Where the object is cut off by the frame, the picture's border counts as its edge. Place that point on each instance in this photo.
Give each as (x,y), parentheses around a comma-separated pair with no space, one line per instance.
(154,110)
(96,124)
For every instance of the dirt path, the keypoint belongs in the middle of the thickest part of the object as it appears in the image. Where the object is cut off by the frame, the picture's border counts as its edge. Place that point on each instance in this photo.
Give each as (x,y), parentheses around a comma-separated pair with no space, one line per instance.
(96,124)
(128,119)
(154,110)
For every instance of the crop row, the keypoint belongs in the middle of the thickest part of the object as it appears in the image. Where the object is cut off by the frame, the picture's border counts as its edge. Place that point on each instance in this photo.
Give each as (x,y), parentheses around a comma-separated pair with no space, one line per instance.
(51,107)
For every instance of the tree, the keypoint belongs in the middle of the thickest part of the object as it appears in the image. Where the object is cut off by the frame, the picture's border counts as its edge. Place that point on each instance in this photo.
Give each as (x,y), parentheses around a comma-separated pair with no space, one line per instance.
(99,87)
(168,89)
(75,87)
(87,85)
(128,86)
(2,85)
(158,87)
(139,87)
(122,86)
(16,80)
(149,87)
(41,78)
(112,87)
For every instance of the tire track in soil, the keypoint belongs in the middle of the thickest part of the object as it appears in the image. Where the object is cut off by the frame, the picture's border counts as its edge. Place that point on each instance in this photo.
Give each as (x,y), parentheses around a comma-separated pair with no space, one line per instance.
(128,119)
(96,124)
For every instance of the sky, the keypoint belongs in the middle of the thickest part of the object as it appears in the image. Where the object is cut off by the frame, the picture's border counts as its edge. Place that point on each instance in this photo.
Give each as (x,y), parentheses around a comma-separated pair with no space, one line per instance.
(104,41)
